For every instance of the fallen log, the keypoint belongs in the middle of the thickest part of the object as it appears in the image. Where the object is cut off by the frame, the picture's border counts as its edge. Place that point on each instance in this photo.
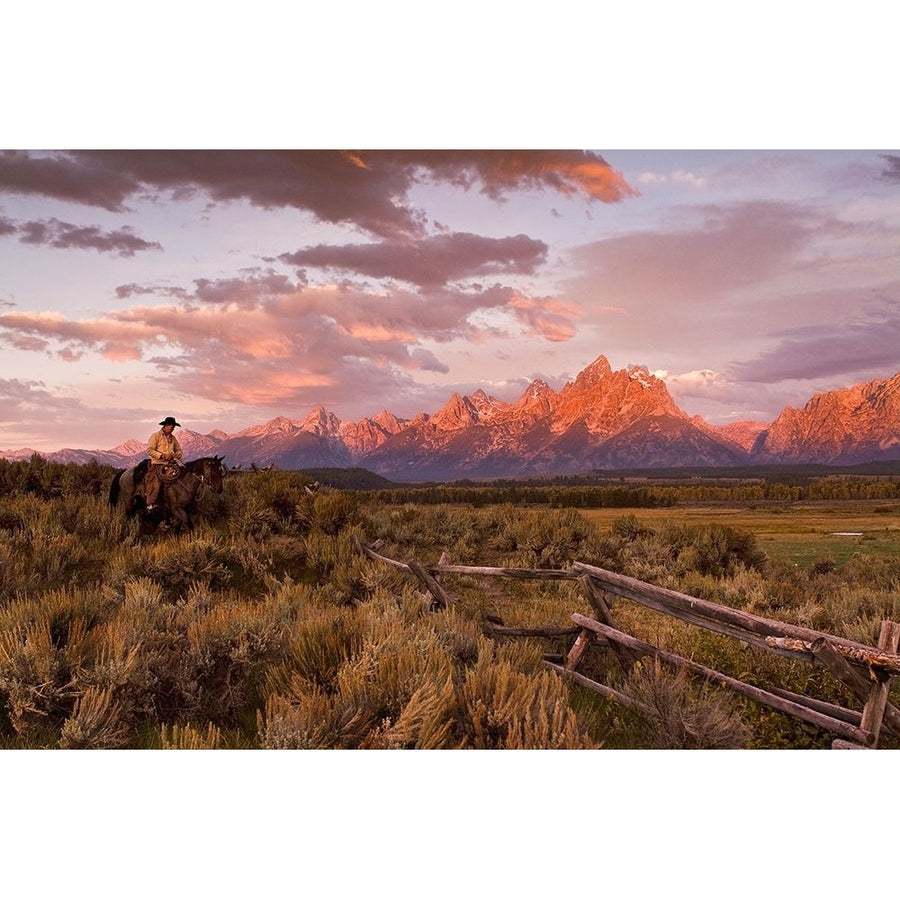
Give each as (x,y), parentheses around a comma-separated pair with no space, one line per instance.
(368,551)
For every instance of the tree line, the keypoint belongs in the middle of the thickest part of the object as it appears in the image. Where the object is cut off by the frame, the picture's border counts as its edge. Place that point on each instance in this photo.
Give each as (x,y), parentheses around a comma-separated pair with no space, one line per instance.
(45,479)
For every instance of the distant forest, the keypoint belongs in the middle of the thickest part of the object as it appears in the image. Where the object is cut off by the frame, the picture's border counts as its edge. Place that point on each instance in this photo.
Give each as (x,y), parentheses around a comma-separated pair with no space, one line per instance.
(633,489)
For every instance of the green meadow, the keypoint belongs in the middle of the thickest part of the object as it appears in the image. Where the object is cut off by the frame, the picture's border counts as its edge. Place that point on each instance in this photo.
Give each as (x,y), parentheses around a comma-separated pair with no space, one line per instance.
(801,533)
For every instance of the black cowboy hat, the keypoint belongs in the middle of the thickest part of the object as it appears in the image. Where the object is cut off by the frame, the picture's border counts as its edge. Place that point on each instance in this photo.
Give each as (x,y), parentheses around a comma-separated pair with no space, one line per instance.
(169,420)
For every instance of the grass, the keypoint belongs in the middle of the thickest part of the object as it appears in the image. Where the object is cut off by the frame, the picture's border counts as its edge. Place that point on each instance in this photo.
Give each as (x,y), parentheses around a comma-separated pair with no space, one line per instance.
(264,629)
(800,534)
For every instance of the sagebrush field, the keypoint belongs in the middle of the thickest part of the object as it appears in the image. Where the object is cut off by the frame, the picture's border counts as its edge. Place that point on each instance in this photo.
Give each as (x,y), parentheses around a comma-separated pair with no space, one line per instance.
(263,628)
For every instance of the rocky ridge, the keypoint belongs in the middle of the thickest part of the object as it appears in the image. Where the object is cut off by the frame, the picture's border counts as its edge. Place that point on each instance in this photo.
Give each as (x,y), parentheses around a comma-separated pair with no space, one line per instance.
(604,419)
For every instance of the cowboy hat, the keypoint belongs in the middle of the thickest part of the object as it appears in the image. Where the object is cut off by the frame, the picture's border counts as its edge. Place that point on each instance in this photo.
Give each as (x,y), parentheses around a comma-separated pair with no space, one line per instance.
(169,420)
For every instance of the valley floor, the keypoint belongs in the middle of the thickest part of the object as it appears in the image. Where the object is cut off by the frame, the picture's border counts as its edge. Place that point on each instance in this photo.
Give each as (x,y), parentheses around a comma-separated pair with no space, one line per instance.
(801,533)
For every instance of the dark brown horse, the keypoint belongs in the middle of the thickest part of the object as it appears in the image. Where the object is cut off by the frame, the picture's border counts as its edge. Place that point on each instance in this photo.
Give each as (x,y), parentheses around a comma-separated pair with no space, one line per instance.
(178,498)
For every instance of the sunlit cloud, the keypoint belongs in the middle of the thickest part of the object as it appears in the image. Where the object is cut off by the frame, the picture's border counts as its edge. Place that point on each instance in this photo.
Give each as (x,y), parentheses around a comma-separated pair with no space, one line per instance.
(274,340)
(545,316)
(365,189)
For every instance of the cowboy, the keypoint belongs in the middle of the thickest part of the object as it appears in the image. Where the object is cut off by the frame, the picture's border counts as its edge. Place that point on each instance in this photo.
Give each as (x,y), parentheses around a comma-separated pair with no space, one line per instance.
(163,449)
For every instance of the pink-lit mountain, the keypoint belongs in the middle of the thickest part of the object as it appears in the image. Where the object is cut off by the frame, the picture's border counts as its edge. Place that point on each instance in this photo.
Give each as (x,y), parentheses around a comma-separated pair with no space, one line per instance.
(604,419)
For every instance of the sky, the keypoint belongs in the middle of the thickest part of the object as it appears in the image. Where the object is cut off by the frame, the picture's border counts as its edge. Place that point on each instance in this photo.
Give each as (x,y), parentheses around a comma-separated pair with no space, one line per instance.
(227,287)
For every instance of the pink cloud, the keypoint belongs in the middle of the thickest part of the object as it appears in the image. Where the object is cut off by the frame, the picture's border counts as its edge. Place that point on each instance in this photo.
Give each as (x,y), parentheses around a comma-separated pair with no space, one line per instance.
(569,172)
(267,337)
(727,248)
(545,316)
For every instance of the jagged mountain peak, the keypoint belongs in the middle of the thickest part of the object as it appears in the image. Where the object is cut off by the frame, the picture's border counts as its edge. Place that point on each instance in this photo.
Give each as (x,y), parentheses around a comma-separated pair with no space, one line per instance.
(594,373)
(388,421)
(602,419)
(854,424)
(321,421)
(457,412)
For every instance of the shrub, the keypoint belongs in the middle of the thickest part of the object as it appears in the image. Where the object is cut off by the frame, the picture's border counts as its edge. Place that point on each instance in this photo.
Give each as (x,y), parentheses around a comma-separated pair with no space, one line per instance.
(187,737)
(95,723)
(676,715)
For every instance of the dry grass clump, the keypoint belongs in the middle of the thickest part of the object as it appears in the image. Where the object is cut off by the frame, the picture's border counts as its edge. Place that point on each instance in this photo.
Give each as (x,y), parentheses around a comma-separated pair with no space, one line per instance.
(676,714)
(189,737)
(505,708)
(416,681)
(505,535)
(95,723)
(41,646)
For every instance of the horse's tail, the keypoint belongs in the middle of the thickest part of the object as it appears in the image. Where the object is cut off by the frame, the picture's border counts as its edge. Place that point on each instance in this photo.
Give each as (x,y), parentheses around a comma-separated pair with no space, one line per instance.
(115,487)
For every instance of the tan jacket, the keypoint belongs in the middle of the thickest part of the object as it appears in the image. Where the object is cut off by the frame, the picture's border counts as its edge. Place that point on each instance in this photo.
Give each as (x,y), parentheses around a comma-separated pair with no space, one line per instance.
(163,448)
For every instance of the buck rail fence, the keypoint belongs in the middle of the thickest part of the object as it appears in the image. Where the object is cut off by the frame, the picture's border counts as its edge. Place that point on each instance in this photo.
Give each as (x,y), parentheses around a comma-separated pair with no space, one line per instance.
(866,671)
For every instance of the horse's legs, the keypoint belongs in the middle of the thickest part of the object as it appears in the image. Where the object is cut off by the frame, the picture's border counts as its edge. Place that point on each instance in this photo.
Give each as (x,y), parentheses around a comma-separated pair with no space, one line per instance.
(182,519)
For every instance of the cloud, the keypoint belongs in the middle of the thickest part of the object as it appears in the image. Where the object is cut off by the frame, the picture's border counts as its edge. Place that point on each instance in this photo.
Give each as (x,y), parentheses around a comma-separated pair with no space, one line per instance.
(365,189)
(892,168)
(66,177)
(545,316)
(54,233)
(264,339)
(33,415)
(727,248)
(27,399)
(429,262)
(679,175)
(569,172)
(866,340)
(112,339)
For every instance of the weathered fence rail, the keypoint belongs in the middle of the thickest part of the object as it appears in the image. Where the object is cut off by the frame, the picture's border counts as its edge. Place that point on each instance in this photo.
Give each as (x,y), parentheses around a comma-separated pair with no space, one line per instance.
(864,670)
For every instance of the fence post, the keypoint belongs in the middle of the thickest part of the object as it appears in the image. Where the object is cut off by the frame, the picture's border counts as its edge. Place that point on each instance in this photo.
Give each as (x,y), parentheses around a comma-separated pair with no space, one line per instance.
(441,598)
(582,642)
(876,705)
(601,609)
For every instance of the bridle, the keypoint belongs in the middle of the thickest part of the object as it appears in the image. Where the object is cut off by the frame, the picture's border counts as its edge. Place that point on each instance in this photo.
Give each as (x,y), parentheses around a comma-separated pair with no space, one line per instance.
(205,480)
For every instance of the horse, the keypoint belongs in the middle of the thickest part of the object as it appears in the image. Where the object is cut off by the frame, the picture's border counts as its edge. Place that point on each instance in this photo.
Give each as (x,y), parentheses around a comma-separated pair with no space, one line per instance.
(178,498)
(124,487)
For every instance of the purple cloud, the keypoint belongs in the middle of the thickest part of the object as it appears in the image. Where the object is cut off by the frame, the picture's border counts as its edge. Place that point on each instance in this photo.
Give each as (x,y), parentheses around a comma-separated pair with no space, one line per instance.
(868,341)
(53,233)
(429,262)
(365,189)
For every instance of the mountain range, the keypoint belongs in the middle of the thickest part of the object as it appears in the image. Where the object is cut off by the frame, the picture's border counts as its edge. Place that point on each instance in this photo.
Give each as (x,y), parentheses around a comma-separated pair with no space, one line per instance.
(604,419)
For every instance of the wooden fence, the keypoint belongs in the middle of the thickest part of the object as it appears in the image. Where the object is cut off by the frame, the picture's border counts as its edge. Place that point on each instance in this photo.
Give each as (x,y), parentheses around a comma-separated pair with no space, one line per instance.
(864,670)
